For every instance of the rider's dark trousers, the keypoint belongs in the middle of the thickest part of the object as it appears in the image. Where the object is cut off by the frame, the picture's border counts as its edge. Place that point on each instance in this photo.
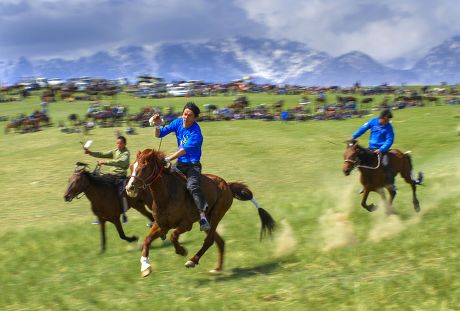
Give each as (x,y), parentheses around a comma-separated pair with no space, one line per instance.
(390,179)
(193,173)
(120,183)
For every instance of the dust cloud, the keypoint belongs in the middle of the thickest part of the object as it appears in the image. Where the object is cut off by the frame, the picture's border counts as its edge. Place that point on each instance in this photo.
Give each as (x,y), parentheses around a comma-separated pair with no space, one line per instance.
(285,241)
(336,229)
(385,226)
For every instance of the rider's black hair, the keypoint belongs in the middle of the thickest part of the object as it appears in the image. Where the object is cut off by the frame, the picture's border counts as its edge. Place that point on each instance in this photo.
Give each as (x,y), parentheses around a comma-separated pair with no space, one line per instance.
(386,113)
(193,107)
(122,138)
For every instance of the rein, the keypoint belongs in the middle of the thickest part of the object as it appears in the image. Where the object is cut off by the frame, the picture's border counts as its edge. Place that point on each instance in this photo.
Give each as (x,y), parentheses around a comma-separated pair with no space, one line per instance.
(145,184)
(161,139)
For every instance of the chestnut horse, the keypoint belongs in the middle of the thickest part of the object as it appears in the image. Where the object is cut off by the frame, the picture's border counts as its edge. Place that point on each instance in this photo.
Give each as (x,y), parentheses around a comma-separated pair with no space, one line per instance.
(174,208)
(105,203)
(373,175)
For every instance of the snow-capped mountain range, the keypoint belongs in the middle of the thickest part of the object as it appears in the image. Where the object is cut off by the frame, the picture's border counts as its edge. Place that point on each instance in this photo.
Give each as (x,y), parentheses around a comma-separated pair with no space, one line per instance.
(266,60)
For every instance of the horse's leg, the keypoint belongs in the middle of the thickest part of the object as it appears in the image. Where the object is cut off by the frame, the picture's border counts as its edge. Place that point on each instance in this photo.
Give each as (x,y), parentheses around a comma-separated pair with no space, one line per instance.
(208,241)
(372,207)
(154,233)
(102,226)
(180,250)
(392,192)
(388,206)
(121,232)
(413,183)
(214,219)
(220,247)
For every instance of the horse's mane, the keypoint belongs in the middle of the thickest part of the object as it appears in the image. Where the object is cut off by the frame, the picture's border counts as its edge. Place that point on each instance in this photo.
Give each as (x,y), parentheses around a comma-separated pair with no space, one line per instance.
(365,155)
(101,180)
(152,155)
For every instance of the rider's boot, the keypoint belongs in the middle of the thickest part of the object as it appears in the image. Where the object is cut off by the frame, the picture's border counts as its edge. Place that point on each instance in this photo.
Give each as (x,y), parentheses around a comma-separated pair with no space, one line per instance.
(201,204)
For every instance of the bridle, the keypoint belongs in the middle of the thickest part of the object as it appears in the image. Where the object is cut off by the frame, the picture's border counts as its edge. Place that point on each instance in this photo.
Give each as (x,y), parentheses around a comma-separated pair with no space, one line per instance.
(145,182)
(356,163)
(82,193)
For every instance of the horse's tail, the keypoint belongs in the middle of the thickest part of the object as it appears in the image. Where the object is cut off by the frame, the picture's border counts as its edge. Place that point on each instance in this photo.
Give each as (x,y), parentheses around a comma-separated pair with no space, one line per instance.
(241,192)
(420,176)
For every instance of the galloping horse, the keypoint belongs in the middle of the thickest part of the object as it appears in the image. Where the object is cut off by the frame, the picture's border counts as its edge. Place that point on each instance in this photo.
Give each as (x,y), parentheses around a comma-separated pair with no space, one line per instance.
(174,208)
(105,203)
(373,175)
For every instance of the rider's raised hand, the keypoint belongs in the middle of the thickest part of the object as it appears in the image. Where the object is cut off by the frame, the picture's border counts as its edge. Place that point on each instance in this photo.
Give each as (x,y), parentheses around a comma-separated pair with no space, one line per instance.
(155,120)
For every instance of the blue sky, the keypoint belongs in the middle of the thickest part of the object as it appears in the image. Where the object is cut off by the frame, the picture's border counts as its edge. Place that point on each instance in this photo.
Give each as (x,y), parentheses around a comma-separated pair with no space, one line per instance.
(391,31)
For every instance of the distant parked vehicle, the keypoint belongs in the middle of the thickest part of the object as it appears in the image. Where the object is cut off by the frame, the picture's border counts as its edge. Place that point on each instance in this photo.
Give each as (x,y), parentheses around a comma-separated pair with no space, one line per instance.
(32,87)
(149,93)
(179,91)
(43,82)
(55,82)
(81,85)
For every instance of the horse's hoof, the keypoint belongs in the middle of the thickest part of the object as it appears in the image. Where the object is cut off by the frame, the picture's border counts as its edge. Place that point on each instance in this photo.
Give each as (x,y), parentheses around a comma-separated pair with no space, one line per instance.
(370,208)
(215,272)
(190,264)
(417,208)
(133,239)
(146,272)
(182,251)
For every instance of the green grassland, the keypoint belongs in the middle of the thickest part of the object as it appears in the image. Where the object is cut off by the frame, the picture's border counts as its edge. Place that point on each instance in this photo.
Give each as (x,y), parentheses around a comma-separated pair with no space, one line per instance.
(328,252)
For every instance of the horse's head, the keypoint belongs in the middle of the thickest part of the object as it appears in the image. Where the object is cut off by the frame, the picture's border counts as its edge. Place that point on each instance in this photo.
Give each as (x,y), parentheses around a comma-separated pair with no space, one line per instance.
(147,168)
(350,156)
(78,182)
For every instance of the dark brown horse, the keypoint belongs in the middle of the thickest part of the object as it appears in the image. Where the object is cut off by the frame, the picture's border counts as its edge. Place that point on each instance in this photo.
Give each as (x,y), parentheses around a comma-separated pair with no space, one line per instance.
(104,199)
(174,208)
(373,176)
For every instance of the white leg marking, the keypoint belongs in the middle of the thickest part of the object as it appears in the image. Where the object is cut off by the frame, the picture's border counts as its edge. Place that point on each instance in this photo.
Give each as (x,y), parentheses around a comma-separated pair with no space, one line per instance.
(131,180)
(145,263)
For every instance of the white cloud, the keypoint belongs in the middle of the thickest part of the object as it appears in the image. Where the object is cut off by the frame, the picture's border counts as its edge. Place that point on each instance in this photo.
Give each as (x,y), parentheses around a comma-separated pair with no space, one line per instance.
(385,30)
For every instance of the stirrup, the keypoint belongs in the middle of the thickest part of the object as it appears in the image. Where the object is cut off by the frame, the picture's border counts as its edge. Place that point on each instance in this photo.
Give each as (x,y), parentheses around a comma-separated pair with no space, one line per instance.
(204,225)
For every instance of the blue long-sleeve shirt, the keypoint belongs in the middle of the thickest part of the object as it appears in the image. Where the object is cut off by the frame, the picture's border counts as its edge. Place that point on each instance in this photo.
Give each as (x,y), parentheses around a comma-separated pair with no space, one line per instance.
(382,136)
(190,139)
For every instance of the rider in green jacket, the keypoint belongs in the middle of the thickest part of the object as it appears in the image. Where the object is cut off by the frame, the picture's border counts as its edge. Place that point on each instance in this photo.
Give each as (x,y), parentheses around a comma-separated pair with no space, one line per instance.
(119,164)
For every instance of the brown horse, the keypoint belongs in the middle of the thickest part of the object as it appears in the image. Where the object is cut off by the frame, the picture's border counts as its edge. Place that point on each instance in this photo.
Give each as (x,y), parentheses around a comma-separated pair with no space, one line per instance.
(105,203)
(373,175)
(174,208)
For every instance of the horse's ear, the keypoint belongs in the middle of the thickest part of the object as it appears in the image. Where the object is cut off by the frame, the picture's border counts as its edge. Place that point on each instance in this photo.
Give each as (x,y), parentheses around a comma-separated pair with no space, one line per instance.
(138,153)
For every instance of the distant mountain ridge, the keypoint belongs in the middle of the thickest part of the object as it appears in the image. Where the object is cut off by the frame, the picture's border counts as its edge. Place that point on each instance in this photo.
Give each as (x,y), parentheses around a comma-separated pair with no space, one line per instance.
(267,60)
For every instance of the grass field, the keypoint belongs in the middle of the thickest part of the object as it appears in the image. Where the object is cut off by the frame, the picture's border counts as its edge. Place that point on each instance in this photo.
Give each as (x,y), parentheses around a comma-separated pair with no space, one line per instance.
(328,253)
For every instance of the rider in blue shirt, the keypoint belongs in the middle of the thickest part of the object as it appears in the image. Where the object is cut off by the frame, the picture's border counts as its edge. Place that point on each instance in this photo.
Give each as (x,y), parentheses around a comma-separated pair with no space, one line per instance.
(381,139)
(188,154)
